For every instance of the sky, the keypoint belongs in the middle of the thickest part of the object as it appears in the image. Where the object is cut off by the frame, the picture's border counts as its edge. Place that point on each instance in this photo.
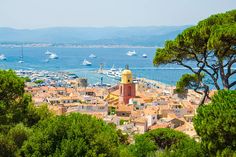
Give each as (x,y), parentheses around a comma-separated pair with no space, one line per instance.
(33,14)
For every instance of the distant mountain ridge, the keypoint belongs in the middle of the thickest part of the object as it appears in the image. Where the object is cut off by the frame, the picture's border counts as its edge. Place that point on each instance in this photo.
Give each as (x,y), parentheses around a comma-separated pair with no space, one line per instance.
(142,36)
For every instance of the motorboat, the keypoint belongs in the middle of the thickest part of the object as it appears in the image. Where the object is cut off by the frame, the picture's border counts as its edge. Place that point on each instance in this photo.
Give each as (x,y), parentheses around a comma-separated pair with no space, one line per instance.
(87,63)
(53,56)
(92,56)
(3,57)
(144,55)
(48,53)
(114,73)
(131,53)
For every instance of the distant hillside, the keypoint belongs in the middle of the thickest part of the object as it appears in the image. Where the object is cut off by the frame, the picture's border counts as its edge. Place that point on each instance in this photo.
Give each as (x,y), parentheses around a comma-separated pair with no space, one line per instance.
(142,36)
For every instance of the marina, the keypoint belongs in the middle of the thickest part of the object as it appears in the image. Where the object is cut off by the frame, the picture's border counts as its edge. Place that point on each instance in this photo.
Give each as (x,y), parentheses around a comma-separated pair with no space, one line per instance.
(71,59)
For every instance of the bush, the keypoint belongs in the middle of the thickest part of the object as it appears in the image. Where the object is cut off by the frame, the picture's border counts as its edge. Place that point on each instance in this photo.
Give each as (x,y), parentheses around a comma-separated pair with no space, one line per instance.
(215,123)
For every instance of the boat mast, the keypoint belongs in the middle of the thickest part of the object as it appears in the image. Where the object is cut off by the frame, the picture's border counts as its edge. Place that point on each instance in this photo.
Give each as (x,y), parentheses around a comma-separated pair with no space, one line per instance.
(22,52)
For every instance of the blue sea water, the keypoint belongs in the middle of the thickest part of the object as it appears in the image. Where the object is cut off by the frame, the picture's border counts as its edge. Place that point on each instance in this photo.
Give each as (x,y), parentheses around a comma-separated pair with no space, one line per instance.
(70,59)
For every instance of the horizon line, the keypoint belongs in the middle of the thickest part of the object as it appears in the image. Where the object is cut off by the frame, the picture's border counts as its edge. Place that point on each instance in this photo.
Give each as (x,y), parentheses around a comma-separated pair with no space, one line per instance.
(96,27)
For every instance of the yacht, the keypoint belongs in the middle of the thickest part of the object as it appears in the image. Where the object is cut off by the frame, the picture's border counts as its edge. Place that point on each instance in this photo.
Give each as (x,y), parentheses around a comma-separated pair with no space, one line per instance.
(87,63)
(48,53)
(53,56)
(3,57)
(114,73)
(92,56)
(131,53)
(144,55)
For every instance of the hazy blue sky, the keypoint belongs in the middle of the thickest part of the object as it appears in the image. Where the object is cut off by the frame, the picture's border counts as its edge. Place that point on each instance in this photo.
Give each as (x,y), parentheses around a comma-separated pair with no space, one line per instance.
(99,13)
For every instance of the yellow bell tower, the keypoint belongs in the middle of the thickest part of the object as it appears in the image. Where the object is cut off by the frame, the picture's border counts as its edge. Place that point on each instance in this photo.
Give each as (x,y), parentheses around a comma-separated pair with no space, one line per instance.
(126,76)
(127,87)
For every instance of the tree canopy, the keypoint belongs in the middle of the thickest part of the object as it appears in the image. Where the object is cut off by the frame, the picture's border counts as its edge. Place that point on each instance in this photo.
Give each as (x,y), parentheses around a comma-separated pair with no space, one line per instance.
(72,135)
(211,48)
(15,105)
(173,143)
(11,86)
(215,123)
(17,113)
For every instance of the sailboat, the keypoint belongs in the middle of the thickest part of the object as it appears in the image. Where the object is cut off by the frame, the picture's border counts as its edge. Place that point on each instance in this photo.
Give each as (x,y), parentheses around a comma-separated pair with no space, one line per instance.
(22,56)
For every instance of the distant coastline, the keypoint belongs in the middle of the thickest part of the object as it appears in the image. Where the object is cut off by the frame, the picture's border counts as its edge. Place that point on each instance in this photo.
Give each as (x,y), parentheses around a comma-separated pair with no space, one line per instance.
(86,37)
(39,45)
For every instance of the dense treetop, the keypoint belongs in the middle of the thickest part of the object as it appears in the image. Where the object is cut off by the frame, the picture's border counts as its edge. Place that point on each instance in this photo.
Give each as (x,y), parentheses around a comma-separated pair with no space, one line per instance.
(215,123)
(211,46)
(72,135)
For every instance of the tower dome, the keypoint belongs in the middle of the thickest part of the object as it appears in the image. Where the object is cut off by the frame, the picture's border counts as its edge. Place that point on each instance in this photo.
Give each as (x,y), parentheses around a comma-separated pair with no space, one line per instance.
(126,76)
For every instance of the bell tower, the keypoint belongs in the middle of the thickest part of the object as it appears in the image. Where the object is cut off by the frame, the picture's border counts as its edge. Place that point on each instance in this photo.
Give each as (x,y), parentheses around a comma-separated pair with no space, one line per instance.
(127,87)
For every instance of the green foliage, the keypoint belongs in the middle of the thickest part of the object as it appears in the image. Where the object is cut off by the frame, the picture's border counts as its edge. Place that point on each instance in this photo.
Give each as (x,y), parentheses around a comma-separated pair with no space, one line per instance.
(143,146)
(11,142)
(124,151)
(38,81)
(188,81)
(72,135)
(16,110)
(123,137)
(215,123)
(35,114)
(7,147)
(15,106)
(11,86)
(111,110)
(166,142)
(19,134)
(26,79)
(123,121)
(210,44)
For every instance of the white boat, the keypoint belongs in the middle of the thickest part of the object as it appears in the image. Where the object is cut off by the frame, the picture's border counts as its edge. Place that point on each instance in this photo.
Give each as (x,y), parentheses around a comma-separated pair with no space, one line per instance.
(20,61)
(3,57)
(48,53)
(144,55)
(131,53)
(87,63)
(92,56)
(114,73)
(53,56)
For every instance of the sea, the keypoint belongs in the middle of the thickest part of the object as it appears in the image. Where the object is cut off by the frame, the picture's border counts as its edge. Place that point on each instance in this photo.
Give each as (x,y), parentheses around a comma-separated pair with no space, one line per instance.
(71,59)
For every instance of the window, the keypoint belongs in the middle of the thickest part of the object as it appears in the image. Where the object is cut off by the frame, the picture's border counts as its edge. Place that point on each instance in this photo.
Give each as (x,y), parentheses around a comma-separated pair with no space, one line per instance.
(120,90)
